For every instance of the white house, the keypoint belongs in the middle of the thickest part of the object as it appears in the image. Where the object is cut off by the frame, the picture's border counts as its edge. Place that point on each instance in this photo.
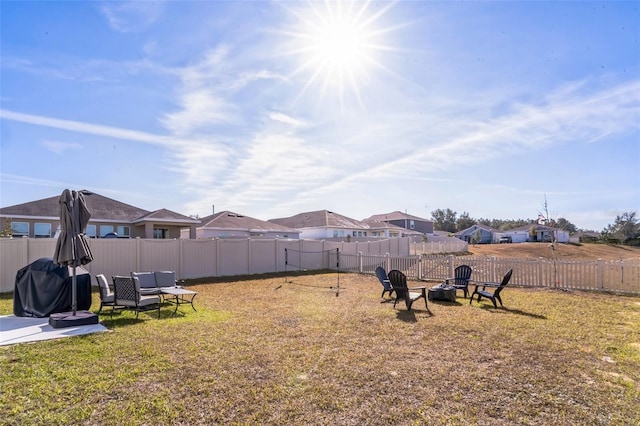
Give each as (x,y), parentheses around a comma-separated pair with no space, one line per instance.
(226,224)
(537,233)
(324,224)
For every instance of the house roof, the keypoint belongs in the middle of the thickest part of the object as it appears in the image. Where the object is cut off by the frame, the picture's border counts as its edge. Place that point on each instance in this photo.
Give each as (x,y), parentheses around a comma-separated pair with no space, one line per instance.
(475,227)
(231,220)
(396,215)
(165,215)
(536,226)
(375,225)
(320,219)
(102,209)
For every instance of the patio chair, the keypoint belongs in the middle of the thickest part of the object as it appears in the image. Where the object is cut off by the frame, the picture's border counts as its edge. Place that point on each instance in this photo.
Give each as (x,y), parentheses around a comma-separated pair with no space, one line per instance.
(399,283)
(107,298)
(460,281)
(384,280)
(127,295)
(496,293)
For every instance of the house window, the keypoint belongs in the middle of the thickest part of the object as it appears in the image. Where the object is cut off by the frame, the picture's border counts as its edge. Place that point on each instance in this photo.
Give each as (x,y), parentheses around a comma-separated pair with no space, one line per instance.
(160,233)
(19,229)
(106,229)
(335,233)
(123,232)
(412,224)
(91,231)
(42,230)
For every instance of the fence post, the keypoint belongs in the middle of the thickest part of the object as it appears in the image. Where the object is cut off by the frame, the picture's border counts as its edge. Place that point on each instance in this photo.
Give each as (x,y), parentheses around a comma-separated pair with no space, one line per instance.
(360,268)
(180,258)
(249,263)
(492,269)
(25,250)
(451,267)
(540,275)
(420,267)
(138,254)
(217,259)
(600,272)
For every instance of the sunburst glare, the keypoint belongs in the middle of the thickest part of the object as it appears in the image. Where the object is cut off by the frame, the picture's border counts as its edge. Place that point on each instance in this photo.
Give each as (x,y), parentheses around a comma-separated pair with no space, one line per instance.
(338,46)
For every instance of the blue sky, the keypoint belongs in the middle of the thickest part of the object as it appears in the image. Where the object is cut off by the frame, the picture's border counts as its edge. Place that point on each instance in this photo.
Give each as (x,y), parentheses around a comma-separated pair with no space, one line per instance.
(270,109)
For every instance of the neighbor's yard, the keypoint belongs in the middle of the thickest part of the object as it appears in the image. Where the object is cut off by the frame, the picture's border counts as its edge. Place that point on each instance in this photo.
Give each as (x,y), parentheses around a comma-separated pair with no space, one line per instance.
(269,351)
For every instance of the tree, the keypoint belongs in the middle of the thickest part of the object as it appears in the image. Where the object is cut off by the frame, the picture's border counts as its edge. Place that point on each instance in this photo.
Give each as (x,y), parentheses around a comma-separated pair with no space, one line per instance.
(476,237)
(464,222)
(444,220)
(564,224)
(6,230)
(626,227)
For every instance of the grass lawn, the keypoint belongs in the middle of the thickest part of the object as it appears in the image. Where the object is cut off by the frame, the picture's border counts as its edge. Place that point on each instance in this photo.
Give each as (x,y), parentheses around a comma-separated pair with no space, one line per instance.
(270,351)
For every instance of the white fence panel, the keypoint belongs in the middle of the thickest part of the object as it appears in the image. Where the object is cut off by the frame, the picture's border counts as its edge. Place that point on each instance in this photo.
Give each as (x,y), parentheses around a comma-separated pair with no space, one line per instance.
(13,257)
(233,257)
(159,255)
(199,259)
(113,257)
(262,256)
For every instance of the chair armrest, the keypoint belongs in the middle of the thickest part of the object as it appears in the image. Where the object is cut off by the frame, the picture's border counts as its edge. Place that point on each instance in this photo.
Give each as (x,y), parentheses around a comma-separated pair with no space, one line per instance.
(417,288)
(485,284)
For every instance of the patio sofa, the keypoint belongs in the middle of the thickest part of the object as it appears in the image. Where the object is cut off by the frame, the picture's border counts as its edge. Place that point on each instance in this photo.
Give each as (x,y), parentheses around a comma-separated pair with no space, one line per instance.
(151,282)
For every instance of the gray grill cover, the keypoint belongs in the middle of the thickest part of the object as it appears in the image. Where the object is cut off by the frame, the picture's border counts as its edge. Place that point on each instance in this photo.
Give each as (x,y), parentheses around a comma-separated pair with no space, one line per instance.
(44,288)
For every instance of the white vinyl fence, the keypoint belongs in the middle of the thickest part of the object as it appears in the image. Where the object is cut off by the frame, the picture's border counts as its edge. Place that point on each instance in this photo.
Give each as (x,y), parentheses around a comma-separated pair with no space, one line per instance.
(622,276)
(193,258)
(228,257)
(438,244)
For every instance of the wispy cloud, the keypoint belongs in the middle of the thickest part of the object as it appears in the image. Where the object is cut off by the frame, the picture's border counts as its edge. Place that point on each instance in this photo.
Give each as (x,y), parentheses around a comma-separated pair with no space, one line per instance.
(56,67)
(284,118)
(205,95)
(60,148)
(89,128)
(131,16)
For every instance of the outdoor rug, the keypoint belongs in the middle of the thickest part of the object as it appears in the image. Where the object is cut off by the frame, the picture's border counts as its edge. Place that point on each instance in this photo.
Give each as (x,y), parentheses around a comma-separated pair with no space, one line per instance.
(24,329)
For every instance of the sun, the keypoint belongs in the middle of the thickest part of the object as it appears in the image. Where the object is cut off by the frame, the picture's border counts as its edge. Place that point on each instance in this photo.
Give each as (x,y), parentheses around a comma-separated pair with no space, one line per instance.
(338,46)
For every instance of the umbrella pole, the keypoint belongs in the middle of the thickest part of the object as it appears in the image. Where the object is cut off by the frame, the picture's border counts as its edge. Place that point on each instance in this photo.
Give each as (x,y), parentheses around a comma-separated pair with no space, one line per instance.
(74,296)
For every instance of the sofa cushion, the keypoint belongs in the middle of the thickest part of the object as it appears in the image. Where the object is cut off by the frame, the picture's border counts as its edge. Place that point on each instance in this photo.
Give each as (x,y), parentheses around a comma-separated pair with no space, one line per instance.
(165,278)
(146,279)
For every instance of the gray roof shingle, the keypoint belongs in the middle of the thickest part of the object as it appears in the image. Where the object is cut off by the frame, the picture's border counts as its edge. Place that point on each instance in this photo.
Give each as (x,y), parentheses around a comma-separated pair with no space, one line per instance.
(231,220)
(320,218)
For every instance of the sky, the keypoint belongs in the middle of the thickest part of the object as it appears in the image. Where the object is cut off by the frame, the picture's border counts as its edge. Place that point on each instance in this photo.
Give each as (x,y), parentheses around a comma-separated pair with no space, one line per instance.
(273,108)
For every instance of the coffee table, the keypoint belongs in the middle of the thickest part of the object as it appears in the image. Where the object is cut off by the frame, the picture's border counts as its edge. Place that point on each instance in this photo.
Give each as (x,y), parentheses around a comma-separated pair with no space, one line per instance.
(180,295)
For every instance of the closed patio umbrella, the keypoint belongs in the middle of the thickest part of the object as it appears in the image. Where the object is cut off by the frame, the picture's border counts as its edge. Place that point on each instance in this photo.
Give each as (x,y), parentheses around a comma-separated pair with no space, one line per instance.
(72,248)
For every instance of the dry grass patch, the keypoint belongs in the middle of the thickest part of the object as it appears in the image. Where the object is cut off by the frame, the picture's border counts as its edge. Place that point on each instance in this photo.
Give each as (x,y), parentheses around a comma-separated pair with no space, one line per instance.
(269,351)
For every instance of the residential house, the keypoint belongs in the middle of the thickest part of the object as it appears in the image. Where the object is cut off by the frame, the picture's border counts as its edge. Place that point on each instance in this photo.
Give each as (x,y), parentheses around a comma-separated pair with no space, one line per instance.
(389,230)
(537,233)
(477,234)
(226,224)
(404,220)
(324,224)
(41,219)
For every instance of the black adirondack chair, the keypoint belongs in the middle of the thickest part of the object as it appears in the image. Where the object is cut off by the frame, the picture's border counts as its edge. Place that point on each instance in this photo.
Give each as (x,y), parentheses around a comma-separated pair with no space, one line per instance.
(461,279)
(496,293)
(384,280)
(409,295)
